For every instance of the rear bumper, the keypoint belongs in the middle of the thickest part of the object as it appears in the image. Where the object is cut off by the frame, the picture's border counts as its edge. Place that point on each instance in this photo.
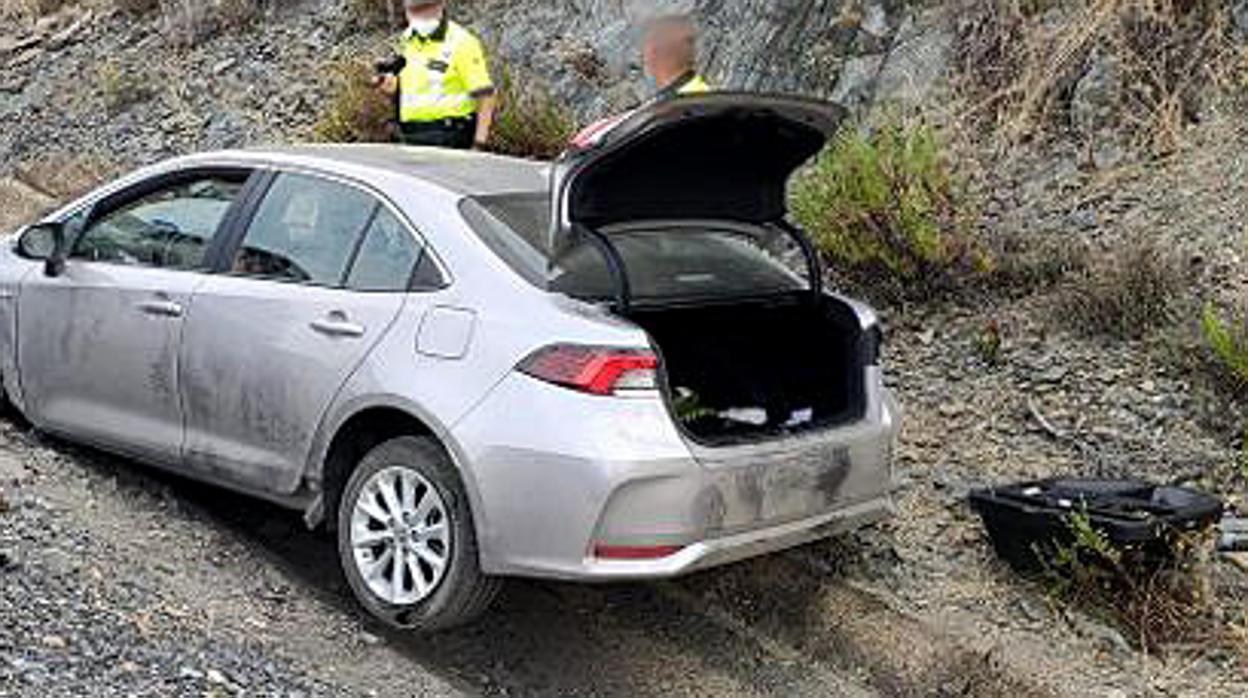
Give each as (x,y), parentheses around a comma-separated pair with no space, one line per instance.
(557,472)
(733,548)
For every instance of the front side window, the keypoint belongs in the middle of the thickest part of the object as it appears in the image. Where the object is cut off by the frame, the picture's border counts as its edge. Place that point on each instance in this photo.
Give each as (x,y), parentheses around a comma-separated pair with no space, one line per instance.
(170,228)
(306,230)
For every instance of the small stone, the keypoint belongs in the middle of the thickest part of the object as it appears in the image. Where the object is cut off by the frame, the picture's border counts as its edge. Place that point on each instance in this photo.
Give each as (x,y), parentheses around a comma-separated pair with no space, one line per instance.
(25,57)
(1148,386)
(1084,218)
(1055,374)
(128,667)
(55,642)
(187,672)
(370,639)
(215,677)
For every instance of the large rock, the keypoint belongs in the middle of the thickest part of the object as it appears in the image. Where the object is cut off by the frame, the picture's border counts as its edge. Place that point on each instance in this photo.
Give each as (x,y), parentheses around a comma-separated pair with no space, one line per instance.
(918,60)
(588,50)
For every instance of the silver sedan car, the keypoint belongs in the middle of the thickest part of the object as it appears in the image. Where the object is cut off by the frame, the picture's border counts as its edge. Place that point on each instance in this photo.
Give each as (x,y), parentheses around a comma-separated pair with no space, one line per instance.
(619,366)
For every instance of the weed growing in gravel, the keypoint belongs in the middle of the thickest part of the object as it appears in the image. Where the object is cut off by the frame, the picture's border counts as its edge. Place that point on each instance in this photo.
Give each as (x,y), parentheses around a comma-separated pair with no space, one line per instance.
(355,111)
(120,88)
(1124,294)
(1162,597)
(530,121)
(1228,340)
(886,209)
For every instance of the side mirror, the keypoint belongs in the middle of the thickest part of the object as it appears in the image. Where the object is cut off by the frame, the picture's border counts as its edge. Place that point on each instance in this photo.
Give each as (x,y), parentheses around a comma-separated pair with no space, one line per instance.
(46,242)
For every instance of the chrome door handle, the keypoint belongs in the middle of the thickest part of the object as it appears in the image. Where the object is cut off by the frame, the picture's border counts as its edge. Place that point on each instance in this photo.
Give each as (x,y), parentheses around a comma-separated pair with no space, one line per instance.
(161,308)
(338,328)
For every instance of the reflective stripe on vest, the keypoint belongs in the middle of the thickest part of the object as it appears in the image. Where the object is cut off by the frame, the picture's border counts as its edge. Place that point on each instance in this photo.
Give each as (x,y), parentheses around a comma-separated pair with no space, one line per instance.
(423,92)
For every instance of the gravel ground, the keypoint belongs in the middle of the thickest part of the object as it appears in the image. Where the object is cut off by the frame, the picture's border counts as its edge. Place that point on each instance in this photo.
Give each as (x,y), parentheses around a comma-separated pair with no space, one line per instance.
(115,580)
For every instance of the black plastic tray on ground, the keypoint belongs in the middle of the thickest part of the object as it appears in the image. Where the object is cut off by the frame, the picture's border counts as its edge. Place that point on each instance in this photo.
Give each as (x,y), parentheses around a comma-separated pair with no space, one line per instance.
(1028,518)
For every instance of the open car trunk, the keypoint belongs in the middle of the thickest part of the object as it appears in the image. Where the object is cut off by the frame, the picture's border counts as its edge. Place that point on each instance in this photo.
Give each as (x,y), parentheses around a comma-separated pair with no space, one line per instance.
(790,358)
(748,370)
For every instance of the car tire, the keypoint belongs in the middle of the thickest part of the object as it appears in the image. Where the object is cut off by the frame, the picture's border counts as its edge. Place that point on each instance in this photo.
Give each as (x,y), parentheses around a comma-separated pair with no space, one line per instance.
(414,476)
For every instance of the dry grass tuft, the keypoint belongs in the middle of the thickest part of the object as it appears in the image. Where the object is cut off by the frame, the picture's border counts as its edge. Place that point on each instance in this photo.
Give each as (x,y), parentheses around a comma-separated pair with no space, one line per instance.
(1170,597)
(1124,293)
(355,111)
(376,14)
(30,9)
(64,176)
(1023,60)
(531,122)
(136,8)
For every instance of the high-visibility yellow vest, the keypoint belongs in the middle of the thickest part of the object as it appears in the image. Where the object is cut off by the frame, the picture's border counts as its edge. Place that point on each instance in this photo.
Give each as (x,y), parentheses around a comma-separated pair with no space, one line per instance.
(695,86)
(444,75)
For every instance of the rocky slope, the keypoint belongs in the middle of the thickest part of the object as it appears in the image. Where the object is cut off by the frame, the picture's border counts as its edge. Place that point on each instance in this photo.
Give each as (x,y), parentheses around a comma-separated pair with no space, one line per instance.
(93,81)
(915,607)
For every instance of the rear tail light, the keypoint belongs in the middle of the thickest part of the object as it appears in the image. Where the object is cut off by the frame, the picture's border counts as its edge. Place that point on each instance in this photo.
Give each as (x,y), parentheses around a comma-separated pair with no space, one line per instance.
(594,370)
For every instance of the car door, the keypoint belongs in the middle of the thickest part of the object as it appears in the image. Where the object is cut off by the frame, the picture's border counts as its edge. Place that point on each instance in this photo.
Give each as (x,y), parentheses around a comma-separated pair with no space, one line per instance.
(98,343)
(321,271)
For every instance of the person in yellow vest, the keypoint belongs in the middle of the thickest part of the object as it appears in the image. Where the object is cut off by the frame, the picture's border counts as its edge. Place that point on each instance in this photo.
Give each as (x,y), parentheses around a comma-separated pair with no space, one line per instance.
(670,57)
(440,80)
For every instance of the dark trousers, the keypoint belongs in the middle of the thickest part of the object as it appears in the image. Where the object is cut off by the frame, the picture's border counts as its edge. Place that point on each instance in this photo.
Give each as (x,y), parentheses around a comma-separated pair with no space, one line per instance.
(443,133)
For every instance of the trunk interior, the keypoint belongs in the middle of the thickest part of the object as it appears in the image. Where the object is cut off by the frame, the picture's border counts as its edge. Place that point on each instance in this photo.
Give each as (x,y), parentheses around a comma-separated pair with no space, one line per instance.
(750,370)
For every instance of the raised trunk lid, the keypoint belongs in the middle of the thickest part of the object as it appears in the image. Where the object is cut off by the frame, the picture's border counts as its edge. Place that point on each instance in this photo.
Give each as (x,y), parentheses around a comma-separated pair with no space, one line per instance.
(720,156)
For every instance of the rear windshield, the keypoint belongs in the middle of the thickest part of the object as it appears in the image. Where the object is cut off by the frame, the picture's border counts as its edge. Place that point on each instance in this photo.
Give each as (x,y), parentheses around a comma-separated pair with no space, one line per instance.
(663,261)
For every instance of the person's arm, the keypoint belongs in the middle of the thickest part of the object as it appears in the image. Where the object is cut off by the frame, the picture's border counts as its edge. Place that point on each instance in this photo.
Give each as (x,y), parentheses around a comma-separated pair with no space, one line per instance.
(477,81)
(386,78)
(486,106)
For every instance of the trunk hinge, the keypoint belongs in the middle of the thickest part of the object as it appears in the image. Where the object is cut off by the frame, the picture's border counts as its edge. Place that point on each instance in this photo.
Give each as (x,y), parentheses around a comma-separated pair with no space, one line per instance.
(615,263)
(814,264)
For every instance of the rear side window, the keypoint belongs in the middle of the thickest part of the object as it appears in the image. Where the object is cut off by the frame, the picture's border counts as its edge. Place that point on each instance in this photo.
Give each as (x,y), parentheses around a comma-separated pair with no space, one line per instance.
(677,261)
(685,262)
(387,256)
(305,230)
(170,228)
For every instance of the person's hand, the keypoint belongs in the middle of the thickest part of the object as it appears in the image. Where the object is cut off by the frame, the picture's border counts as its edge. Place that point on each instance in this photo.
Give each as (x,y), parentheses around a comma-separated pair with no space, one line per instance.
(386,83)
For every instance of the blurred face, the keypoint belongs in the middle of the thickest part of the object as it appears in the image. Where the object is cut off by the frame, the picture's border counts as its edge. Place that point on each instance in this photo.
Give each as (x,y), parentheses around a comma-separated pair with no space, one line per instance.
(650,54)
(667,51)
(423,11)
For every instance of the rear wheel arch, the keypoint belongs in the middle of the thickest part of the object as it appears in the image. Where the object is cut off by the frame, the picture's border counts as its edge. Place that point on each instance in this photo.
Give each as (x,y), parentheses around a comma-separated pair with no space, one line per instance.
(358,434)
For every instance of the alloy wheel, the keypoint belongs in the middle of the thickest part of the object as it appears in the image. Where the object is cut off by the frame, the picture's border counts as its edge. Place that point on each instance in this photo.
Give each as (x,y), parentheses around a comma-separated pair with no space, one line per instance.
(400,536)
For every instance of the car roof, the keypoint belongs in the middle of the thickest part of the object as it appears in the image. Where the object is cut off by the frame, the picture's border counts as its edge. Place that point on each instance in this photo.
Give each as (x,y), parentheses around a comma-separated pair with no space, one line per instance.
(460,172)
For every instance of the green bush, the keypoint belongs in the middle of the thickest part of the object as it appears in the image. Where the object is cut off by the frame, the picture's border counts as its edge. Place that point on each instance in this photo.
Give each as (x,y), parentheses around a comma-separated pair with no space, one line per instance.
(355,112)
(884,206)
(530,121)
(1229,343)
